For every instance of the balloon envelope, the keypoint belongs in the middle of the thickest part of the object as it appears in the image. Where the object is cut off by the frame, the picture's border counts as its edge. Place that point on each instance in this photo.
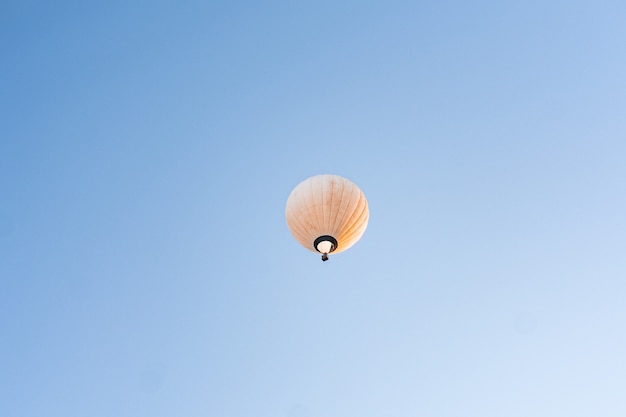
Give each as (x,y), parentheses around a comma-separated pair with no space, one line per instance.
(324,208)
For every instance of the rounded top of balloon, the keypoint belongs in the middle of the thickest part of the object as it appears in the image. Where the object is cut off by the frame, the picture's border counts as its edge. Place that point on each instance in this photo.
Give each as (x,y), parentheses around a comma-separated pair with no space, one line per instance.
(327,214)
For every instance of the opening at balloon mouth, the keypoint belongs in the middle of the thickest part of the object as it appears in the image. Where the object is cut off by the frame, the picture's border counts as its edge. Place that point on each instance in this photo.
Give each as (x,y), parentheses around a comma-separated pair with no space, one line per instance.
(325,245)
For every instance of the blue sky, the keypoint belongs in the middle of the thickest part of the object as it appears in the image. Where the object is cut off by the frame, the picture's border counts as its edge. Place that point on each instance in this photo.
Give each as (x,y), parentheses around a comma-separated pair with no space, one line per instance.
(147,150)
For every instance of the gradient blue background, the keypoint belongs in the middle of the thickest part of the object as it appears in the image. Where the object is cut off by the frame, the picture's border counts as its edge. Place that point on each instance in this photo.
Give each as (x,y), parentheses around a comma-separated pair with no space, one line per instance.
(147,149)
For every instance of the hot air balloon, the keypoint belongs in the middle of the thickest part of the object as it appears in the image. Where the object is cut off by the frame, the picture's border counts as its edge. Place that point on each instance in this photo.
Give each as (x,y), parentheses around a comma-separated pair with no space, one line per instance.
(327,214)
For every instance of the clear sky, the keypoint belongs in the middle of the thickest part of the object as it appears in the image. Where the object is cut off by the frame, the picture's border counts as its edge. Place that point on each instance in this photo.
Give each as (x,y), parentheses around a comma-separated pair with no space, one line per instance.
(147,149)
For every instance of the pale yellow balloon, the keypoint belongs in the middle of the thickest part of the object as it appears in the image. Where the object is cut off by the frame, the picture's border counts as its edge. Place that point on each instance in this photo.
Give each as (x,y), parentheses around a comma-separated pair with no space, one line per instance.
(327,213)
